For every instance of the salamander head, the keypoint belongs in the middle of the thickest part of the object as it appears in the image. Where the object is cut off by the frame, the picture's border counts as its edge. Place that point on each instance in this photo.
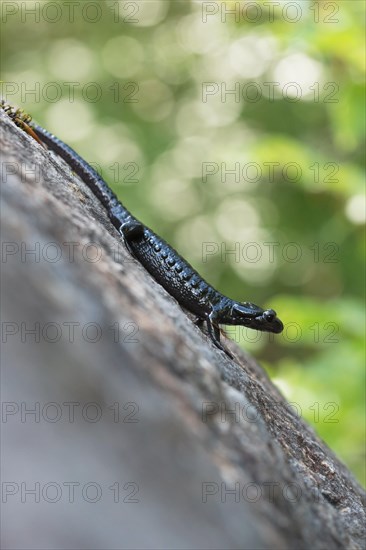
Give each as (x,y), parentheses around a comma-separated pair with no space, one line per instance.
(252,316)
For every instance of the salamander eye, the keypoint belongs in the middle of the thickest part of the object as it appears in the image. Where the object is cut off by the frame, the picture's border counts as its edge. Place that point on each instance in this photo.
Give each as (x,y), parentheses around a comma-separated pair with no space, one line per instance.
(269,315)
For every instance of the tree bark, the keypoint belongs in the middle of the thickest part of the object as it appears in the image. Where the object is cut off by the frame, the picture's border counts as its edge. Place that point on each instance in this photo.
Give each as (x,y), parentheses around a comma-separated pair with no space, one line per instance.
(143,434)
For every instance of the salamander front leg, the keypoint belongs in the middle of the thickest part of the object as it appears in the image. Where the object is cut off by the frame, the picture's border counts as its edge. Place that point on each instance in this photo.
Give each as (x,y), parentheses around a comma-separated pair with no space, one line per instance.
(214,332)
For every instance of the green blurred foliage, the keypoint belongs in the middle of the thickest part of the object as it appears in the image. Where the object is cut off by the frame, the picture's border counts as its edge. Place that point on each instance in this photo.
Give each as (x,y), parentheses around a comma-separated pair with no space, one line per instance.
(314,220)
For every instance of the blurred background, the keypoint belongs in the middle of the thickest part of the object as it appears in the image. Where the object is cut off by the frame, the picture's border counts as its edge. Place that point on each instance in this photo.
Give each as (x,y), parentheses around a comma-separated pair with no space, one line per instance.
(236,131)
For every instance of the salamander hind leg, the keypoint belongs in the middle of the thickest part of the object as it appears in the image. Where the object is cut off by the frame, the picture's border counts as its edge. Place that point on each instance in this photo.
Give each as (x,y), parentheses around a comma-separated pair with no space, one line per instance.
(132,230)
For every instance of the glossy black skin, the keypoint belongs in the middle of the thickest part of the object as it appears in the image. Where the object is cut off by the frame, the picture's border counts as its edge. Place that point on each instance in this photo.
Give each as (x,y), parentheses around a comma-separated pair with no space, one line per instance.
(167,267)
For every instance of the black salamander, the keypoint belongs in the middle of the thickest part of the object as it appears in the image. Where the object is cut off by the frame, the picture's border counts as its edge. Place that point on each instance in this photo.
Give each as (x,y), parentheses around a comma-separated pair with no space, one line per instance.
(167,267)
